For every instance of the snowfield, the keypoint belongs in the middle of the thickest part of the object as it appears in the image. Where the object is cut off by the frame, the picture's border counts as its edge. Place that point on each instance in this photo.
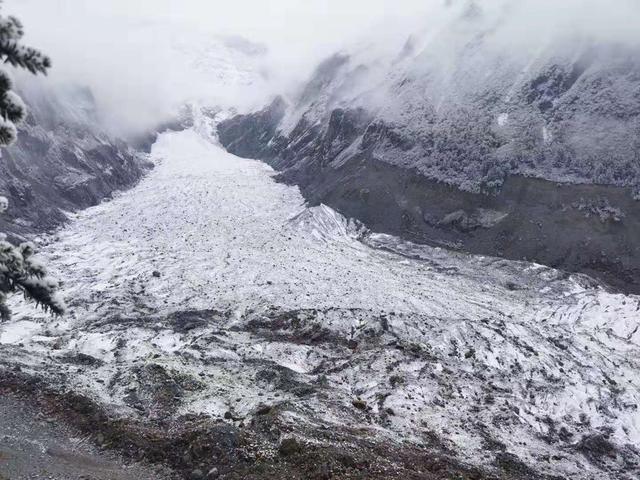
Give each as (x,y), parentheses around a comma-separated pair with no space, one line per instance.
(211,278)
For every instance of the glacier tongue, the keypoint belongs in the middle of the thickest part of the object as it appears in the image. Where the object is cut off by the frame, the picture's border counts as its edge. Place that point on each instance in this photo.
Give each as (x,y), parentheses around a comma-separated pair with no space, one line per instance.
(212,271)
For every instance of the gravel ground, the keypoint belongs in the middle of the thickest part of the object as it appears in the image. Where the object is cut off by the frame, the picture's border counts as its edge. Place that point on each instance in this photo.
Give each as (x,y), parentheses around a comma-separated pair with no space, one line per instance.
(34,446)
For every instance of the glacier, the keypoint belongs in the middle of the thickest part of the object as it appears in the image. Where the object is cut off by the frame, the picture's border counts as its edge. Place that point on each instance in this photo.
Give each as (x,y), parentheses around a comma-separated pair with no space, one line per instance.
(224,281)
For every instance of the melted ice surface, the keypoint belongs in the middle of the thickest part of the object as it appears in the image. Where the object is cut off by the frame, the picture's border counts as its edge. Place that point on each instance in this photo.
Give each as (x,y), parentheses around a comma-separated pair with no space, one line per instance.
(483,346)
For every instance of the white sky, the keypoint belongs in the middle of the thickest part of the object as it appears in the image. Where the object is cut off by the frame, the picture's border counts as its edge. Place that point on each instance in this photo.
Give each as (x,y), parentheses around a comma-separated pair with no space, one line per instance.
(295,29)
(99,42)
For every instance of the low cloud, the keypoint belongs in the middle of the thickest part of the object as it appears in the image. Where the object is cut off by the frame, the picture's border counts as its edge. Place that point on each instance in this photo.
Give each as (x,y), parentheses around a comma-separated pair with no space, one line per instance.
(143,58)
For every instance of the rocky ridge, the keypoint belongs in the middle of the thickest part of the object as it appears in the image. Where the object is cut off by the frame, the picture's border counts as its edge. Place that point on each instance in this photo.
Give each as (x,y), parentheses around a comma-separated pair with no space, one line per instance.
(424,144)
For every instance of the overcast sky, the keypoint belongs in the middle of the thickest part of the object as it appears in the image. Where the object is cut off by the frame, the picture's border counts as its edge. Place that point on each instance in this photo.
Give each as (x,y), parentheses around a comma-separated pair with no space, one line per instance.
(301,30)
(120,47)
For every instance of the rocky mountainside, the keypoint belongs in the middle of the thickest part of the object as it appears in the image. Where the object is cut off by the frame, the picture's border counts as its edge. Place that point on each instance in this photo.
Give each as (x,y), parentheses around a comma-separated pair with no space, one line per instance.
(460,139)
(63,161)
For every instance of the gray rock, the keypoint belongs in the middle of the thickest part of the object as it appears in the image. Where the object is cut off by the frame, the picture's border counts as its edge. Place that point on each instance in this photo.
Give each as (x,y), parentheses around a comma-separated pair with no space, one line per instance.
(289,446)
(197,474)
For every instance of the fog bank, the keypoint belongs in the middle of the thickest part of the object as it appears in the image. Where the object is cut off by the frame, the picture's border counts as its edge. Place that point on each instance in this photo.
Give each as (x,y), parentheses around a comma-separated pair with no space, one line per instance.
(142,59)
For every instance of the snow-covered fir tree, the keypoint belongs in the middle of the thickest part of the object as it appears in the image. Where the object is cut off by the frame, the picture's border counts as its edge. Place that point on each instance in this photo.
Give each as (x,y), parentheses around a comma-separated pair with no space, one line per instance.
(20,271)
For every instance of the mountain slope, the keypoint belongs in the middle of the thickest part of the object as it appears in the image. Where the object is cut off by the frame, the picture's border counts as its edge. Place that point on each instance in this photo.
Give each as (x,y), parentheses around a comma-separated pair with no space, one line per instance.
(460,141)
(63,161)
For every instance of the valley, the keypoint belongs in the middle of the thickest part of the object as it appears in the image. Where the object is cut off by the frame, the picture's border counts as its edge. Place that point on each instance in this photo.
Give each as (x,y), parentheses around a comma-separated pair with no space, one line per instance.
(210,294)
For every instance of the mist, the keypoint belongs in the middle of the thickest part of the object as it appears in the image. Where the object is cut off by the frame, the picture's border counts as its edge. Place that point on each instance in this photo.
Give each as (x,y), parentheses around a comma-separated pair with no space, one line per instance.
(144,59)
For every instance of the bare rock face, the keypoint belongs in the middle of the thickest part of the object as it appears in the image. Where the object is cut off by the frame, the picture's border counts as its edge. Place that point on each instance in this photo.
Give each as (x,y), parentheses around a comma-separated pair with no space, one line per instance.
(63,161)
(548,140)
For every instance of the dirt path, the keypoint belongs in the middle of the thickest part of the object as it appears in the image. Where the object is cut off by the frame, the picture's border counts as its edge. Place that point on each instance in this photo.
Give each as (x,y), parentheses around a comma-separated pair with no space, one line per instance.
(33,446)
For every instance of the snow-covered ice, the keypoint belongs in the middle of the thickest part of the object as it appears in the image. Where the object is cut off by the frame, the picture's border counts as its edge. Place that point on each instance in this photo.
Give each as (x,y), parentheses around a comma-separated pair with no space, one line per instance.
(216,273)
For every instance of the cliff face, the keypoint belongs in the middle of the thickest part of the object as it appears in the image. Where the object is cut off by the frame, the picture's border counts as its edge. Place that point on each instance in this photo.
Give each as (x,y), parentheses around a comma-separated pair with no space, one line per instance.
(63,161)
(530,156)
